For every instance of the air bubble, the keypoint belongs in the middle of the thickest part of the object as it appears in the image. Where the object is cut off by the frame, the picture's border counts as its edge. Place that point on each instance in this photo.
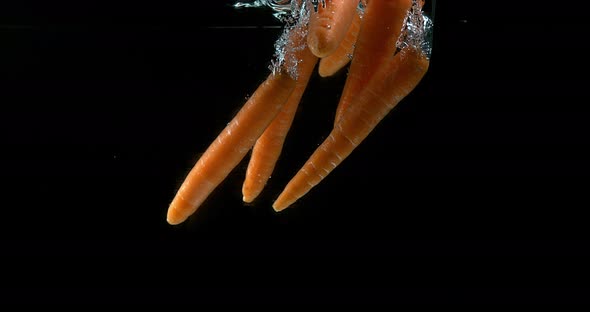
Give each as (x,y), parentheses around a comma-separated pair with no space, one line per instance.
(417,30)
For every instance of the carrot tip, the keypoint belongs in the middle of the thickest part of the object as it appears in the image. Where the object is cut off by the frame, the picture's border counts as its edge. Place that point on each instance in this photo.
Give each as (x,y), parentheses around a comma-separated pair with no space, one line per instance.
(173,218)
(248,198)
(279,206)
(249,194)
(324,72)
(320,46)
(178,211)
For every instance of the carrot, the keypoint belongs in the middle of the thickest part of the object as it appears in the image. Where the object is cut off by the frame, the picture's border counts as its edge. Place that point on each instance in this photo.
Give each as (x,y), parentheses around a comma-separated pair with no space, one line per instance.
(387,88)
(232,144)
(332,63)
(382,19)
(328,26)
(268,147)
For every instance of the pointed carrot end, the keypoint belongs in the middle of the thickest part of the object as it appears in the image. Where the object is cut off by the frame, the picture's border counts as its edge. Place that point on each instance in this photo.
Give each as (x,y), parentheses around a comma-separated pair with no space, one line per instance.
(249,191)
(320,45)
(282,203)
(248,198)
(179,211)
(173,217)
(278,207)
(324,71)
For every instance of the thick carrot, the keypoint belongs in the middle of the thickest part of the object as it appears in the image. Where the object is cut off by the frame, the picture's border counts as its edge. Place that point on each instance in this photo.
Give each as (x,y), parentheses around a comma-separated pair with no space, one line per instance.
(388,87)
(381,27)
(328,26)
(232,144)
(268,147)
(332,63)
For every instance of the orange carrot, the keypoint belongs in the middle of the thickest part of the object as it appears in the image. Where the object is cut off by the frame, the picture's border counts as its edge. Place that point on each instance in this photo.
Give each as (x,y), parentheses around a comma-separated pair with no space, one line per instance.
(328,26)
(381,27)
(332,63)
(388,87)
(232,144)
(268,147)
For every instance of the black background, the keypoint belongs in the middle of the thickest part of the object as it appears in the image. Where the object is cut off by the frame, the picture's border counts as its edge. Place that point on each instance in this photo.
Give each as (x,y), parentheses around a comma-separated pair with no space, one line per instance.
(473,189)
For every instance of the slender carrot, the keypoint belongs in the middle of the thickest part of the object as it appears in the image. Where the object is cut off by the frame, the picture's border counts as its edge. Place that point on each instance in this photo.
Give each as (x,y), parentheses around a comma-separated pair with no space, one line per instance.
(328,26)
(268,147)
(388,87)
(232,144)
(381,27)
(332,63)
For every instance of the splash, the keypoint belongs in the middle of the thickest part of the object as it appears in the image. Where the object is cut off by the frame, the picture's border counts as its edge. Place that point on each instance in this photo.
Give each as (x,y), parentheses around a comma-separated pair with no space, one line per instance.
(295,31)
(278,5)
(295,17)
(281,8)
(417,30)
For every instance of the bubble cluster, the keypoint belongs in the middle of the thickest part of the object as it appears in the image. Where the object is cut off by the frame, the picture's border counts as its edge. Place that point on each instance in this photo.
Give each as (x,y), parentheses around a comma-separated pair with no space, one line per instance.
(417,30)
(281,8)
(292,39)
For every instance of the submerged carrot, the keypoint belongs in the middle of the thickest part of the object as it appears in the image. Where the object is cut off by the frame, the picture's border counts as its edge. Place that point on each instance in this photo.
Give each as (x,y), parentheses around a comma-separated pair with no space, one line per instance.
(388,87)
(332,63)
(328,26)
(268,147)
(232,144)
(381,27)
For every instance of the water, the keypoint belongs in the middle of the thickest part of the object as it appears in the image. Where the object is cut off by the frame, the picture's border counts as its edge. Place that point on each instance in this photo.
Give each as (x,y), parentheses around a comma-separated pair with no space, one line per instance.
(416,31)
(295,29)
(281,8)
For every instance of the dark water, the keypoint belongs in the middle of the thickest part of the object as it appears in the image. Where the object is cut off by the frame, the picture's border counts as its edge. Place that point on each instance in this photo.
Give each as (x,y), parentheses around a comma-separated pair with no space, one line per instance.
(473,188)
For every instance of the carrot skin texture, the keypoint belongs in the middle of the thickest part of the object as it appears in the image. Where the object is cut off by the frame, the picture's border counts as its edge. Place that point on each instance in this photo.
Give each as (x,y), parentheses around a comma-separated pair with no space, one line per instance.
(267,149)
(376,43)
(328,26)
(393,82)
(332,63)
(232,144)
